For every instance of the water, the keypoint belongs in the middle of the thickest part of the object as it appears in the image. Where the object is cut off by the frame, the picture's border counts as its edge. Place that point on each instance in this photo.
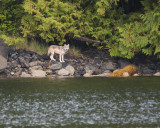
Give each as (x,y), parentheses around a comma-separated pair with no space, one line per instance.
(80,102)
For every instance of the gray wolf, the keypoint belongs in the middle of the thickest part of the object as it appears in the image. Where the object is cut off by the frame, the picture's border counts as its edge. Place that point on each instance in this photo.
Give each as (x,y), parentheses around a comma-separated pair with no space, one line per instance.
(61,50)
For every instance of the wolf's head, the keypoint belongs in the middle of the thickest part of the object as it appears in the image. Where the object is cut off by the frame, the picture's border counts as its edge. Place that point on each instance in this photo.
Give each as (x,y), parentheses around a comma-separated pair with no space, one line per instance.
(66,47)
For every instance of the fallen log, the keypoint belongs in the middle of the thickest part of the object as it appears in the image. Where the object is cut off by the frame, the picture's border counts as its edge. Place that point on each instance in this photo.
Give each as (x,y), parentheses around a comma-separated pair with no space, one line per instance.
(87,40)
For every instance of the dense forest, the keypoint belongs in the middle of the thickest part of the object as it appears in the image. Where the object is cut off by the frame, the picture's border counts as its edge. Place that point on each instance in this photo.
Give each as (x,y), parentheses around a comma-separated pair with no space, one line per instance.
(124,27)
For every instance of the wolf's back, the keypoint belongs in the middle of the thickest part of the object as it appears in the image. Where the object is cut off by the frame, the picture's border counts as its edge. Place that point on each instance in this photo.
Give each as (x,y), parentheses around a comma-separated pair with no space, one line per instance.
(51,49)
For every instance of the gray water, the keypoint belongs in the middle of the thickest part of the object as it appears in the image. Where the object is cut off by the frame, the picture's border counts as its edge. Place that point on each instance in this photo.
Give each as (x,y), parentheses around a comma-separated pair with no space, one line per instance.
(80,102)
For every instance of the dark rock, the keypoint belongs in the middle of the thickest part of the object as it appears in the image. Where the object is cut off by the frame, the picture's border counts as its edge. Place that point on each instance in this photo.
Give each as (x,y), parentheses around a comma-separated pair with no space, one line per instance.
(14,55)
(79,69)
(45,65)
(91,61)
(42,60)
(109,66)
(12,48)
(18,72)
(94,68)
(28,58)
(90,67)
(147,70)
(34,57)
(123,63)
(14,64)
(97,71)
(45,57)
(64,64)
(56,66)
(97,62)
(24,63)
(79,72)
(68,56)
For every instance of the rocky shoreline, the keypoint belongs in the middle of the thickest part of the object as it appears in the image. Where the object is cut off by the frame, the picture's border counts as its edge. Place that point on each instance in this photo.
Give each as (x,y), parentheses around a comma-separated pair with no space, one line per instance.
(23,63)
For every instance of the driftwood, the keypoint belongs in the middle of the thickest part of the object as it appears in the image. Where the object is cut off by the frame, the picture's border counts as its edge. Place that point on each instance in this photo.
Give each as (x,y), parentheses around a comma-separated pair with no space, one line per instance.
(87,40)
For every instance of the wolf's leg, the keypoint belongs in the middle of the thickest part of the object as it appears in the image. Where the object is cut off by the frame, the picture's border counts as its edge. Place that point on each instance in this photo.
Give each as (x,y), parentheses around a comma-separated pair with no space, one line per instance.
(63,58)
(60,57)
(51,57)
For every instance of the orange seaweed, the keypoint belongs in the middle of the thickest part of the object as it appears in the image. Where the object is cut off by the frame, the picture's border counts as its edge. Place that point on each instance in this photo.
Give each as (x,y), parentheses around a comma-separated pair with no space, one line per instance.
(130,69)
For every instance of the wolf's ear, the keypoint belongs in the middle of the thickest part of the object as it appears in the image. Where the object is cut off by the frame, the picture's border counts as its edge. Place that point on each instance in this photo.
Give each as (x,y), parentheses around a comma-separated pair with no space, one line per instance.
(68,45)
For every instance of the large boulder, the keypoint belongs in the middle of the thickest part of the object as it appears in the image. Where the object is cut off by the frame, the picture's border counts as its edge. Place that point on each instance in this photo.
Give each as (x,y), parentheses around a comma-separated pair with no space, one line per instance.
(157,74)
(24,74)
(4,49)
(63,72)
(70,69)
(38,73)
(3,62)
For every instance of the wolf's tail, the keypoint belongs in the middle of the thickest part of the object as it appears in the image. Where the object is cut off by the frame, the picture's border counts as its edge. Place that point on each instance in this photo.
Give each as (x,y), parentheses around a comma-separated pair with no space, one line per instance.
(48,53)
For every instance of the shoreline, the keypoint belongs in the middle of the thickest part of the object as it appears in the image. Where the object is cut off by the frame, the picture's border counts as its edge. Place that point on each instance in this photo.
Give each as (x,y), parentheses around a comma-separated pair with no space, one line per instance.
(93,63)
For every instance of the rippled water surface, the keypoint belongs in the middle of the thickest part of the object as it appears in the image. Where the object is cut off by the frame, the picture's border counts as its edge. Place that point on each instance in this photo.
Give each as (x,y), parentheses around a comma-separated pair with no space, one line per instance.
(80,102)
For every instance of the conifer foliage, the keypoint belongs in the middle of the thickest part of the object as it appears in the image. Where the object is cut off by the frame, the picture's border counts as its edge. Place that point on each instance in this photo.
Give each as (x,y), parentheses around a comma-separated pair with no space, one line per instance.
(142,33)
(124,34)
(51,20)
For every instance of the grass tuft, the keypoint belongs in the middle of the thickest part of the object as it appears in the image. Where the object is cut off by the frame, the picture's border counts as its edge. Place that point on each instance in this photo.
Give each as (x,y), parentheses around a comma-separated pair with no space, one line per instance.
(33,46)
(74,51)
(38,48)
